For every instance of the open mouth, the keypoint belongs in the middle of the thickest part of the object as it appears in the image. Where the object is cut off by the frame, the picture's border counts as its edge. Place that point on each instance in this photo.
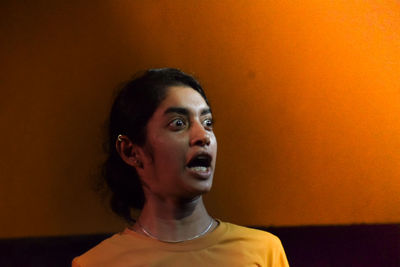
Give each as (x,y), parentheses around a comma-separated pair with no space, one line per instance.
(200,163)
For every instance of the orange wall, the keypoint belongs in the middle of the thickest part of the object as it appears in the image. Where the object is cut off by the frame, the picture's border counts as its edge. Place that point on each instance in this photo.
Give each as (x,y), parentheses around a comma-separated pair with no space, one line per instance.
(306,95)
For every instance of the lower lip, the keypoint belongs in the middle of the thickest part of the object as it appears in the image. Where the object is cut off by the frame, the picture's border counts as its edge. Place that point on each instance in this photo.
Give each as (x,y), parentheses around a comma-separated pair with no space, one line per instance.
(204,175)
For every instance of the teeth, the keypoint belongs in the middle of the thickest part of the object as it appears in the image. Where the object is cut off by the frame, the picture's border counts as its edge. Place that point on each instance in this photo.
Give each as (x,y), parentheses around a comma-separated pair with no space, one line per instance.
(199,169)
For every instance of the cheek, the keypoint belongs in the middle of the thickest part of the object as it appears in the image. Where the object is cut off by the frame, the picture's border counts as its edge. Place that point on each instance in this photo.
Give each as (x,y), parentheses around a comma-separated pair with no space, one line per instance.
(214,148)
(214,142)
(169,153)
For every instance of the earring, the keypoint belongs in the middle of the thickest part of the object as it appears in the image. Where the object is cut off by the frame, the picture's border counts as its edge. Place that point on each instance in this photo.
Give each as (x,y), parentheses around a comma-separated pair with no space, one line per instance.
(119,137)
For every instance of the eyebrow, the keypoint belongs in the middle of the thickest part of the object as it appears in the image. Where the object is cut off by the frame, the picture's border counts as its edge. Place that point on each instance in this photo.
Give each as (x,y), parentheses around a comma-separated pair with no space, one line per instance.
(185,111)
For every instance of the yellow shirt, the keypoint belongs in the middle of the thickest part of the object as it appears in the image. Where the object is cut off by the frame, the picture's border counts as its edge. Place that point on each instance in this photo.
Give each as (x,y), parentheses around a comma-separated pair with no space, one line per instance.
(228,245)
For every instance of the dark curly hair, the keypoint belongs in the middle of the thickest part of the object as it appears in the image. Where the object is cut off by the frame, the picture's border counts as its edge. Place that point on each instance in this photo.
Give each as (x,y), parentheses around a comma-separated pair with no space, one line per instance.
(133,106)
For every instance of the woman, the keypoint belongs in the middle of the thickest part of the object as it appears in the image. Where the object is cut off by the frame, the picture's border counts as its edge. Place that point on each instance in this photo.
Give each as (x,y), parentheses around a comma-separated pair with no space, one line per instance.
(162,153)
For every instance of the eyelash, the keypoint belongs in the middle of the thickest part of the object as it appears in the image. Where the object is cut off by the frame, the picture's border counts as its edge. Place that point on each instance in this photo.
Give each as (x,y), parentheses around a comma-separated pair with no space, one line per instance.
(211,122)
(172,124)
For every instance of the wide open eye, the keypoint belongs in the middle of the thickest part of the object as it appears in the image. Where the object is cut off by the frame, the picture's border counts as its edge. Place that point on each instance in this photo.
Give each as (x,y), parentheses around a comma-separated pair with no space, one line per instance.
(208,123)
(177,124)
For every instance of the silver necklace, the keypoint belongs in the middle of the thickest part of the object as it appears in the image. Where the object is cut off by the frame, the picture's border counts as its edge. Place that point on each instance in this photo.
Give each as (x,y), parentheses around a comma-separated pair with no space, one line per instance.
(175,241)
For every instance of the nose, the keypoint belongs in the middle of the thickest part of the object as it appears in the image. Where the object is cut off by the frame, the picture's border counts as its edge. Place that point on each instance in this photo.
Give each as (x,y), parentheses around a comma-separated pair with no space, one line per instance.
(199,136)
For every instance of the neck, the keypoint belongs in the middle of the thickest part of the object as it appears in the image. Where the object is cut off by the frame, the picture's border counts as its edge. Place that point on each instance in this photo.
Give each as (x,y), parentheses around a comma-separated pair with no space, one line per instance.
(174,220)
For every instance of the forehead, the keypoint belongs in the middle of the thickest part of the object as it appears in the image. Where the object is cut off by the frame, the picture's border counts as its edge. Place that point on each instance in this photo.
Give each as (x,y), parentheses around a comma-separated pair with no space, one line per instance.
(183,96)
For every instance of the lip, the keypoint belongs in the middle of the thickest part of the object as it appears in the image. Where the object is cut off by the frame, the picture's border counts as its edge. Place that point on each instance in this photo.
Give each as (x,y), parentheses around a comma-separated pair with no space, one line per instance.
(199,153)
(203,175)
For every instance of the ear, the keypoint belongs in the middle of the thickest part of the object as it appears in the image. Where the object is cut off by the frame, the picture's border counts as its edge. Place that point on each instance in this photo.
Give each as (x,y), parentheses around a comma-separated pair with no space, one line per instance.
(128,151)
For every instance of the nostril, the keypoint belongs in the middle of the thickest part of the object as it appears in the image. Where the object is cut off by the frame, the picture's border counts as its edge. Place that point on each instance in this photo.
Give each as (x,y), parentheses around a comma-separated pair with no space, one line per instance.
(208,140)
(203,141)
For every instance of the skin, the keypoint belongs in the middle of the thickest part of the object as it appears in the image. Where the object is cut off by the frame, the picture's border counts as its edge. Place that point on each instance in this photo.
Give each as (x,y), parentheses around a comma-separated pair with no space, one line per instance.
(180,128)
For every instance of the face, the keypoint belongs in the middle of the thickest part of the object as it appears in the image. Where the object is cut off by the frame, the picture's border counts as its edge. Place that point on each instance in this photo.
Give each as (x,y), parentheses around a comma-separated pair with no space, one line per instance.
(181,148)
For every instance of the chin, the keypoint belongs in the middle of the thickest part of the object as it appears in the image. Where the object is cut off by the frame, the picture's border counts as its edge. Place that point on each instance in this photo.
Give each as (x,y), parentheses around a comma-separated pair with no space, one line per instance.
(198,189)
(203,189)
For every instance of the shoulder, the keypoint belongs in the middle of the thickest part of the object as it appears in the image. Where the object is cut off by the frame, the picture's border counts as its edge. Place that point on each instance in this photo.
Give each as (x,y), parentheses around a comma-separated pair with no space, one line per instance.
(260,244)
(107,249)
(251,234)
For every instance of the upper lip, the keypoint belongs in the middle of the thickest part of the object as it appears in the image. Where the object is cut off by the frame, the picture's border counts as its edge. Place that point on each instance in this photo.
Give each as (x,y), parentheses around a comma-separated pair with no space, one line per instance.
(198,154)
